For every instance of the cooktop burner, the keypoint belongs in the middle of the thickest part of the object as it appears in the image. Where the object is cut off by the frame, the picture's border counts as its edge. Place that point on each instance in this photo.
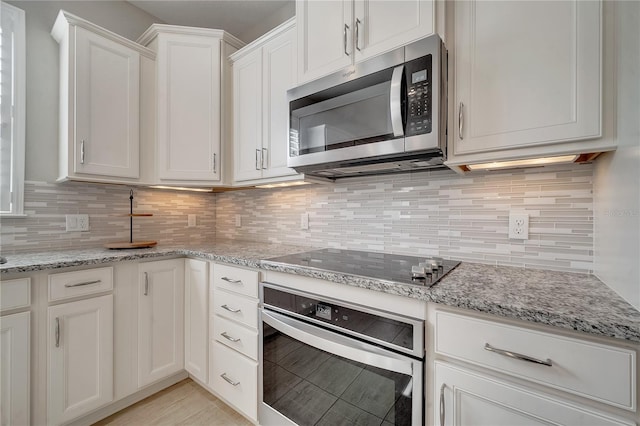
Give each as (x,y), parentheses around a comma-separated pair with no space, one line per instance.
(425,271)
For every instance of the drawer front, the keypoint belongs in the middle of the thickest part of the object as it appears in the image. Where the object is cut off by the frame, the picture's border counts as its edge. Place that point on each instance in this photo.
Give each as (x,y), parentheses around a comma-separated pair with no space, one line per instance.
(80,283)
(15,294)
(238,280)
(235,307)
(235,378)
(599,372)
(236,336)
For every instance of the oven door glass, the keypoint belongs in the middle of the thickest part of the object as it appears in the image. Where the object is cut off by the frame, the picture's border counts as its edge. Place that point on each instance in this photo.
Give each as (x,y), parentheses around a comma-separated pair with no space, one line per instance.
(316,377)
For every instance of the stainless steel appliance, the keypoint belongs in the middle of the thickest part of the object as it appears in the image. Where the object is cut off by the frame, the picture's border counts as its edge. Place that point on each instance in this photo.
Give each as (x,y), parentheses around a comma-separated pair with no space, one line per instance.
(324,360)
(383,115)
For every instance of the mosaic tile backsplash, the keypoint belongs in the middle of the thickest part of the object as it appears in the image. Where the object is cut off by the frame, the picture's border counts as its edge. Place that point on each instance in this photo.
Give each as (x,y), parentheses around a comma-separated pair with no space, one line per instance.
(430,213)
(46,205)
(426,213)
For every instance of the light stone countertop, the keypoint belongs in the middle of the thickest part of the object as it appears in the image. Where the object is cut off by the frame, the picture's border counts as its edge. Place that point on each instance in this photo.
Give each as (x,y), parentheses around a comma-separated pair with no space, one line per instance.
(567,300)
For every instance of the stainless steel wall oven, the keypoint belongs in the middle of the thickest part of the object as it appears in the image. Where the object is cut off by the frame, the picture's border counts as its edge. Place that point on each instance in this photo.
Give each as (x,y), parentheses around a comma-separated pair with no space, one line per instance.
(324,362)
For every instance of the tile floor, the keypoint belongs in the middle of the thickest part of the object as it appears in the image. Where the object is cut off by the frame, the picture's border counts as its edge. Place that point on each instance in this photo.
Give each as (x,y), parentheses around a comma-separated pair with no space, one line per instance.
(184,403)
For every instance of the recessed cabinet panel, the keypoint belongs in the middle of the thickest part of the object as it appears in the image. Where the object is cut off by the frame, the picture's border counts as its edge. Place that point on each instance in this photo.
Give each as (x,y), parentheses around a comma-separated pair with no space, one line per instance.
(196,313)
(325,37)
(188,107)
(80,367)
(384,25)
(279,71)
(14,369)
(160,320)
(106,107)
(468,398)
(527,73)
(247,91)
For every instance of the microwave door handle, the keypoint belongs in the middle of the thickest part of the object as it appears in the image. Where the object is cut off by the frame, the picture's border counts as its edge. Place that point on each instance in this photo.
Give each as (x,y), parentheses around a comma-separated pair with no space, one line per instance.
(395,101)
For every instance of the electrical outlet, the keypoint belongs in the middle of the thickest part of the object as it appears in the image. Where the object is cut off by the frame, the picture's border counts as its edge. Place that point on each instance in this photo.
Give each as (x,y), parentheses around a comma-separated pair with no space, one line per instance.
(76,222)
(191,220)
(83,222)
(71,222)
(518,226)
(238,221)
(304,221)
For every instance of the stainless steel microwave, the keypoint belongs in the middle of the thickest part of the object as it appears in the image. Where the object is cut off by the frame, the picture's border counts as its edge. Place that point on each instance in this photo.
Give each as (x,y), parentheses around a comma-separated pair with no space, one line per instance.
(383,115)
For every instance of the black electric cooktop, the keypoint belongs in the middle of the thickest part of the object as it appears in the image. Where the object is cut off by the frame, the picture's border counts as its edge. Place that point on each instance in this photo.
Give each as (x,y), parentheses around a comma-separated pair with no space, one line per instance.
(424,271)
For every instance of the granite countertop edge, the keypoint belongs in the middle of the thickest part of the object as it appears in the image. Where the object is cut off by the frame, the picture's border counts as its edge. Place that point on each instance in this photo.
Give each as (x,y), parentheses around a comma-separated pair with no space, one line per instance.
(461,289)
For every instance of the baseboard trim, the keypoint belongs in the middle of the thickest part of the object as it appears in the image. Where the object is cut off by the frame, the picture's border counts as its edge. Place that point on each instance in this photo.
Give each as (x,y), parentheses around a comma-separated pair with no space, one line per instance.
(125,402)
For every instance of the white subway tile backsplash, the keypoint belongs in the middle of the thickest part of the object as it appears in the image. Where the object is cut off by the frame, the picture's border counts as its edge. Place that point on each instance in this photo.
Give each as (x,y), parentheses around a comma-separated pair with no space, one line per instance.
(430,213)
(424,214)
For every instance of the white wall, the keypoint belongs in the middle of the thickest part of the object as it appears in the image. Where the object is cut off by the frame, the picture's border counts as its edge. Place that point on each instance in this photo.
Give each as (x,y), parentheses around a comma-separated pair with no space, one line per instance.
(268,23)
(42,70)
(617,174)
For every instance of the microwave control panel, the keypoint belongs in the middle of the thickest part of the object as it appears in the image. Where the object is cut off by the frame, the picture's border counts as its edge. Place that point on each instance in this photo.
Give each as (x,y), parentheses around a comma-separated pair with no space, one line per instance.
(418,76)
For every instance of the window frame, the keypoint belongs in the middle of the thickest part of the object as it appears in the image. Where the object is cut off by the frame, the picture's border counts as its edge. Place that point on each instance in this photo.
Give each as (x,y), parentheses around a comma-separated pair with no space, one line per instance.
(18,143)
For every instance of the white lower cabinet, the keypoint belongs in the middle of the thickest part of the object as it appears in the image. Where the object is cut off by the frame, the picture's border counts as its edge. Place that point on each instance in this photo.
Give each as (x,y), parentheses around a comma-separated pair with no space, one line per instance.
(233,338)
(234,377)
(160,320)
(196,313)
(80,358)
(14,369)
(465,397)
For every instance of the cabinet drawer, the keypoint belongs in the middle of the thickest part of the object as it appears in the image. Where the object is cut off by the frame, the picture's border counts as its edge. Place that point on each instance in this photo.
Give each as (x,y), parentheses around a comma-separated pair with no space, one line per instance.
(236,336)
(237,308)
(596,371)
(80,283)
(15,294)
(235,378)
(238,280)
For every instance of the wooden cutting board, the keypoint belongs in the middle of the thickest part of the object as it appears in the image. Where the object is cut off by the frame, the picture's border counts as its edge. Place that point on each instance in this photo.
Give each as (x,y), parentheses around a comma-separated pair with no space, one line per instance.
(128,245)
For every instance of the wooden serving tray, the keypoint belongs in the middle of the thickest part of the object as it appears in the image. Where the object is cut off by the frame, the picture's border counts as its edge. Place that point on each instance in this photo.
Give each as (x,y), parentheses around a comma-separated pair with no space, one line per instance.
(128,245)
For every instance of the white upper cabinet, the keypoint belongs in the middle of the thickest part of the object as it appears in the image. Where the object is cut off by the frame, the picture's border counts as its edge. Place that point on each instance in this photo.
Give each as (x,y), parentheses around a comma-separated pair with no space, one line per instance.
(325,37)
(527,74)
(381,26)
(99,102)
(262,74)
(335,34)
(190,81)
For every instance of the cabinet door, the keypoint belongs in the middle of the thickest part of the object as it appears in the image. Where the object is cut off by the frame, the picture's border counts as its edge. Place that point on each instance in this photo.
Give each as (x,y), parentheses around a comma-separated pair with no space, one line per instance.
(279,75)
(14,369)
(107,102)
(196,318)
(469,398)
(247,117)
(383,25)
(527,73)
(160,320)
(188,108)
(325,37)
(80,360)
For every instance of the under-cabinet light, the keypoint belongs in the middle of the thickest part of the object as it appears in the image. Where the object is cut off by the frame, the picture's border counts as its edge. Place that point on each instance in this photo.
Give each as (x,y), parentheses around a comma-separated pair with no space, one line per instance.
(181,188)
(523,163)
(284,184)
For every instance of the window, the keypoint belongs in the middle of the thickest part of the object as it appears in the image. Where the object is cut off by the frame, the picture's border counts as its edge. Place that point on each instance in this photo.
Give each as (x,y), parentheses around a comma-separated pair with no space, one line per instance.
(12,107)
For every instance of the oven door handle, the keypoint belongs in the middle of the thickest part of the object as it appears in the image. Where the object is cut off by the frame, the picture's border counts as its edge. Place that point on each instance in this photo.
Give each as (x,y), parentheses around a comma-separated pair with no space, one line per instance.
(340,345)
(395,101)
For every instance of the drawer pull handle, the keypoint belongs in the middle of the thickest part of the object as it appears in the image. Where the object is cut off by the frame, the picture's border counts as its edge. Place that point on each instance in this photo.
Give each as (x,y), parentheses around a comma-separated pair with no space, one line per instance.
(229,280)
(146,284)
(516,355)
(235,311)
(57,332)
(81,284)
(442,407)
(228,380)
(231,339)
